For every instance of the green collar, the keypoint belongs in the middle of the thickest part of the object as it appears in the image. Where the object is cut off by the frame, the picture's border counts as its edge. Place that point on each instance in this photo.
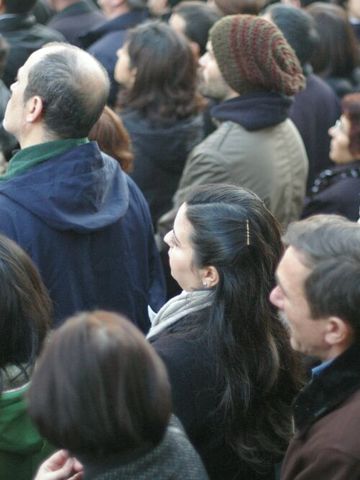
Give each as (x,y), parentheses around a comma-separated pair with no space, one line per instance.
(28,157)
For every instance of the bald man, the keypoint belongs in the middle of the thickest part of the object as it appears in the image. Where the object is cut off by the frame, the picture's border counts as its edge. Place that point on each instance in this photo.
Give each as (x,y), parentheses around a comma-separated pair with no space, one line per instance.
(82,220)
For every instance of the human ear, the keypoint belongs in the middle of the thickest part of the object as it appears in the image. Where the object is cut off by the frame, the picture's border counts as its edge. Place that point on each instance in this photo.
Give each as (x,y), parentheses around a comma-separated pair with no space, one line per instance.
(34,109)
(338,332)
(209,276)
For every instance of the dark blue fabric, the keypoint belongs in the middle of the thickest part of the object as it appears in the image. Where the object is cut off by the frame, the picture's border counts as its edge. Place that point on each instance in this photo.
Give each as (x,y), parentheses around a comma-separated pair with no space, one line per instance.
(87,227)
(254,111)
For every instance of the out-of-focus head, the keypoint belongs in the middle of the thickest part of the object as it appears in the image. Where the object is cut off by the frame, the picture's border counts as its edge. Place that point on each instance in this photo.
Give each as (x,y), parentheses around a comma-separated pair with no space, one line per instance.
(26,311)
(224,236)
(233,7)
(337,52)
(114,8)
(103,387)
(113,139)
(253,55)
(194,19)
(318,290)
(4,49)
(61,87)
(18,6)
(297,26)
(158,69)
(345,134)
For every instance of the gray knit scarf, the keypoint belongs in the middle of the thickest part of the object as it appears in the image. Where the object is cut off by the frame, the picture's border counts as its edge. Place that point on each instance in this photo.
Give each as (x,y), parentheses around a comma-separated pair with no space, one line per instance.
(178,307)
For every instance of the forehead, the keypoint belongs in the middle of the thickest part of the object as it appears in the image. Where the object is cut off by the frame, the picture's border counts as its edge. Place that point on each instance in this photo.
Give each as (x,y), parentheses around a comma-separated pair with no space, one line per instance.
(292,272)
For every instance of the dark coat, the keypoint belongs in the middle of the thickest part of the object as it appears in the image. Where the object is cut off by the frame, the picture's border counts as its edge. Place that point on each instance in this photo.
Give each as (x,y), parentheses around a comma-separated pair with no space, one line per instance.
(75,20)
(327,419)
(160,155)
(336,190)
(104,41)
(24,36)
(191,365)
(314,110)
(87,227)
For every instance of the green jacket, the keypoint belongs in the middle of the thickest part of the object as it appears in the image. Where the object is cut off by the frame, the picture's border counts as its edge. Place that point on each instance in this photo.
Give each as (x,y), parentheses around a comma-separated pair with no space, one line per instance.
(21,447)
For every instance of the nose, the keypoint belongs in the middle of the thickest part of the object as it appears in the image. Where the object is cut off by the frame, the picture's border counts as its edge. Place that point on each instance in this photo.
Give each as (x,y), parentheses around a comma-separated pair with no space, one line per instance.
(203,60)
(276,297)
(167,238)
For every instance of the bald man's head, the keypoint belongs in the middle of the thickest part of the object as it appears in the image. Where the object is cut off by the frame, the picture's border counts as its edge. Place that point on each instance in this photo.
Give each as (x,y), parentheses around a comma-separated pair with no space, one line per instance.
(73,86)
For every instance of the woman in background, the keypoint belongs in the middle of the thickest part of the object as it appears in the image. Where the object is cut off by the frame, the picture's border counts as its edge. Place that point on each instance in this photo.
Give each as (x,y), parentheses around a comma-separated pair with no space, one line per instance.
(25,317)
(160,108)
(232,370)
(105,397)
(337,189)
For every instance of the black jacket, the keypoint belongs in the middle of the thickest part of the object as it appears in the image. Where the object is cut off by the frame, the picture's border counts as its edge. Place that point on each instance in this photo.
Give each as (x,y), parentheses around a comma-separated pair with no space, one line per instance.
(24,36)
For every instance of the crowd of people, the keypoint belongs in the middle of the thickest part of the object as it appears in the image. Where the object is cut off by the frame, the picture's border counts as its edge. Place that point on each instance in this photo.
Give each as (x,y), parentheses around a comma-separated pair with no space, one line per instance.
(179,240)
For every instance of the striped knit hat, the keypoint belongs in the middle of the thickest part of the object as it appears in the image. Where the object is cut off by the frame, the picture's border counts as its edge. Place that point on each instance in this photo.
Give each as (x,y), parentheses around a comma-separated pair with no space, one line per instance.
(252,54)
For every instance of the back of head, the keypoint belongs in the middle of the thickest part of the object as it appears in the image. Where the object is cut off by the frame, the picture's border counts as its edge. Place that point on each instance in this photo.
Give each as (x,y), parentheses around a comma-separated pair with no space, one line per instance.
(298,28)
(73,86)
(103,388)
(330,247)
(253,55)
(26,311)
(232,7)
(165,85)
(113,139)
(337,52)
(19,7)
(199,17)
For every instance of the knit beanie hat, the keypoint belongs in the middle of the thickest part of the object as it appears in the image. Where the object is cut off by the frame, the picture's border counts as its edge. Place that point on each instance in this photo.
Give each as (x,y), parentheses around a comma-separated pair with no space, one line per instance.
(252,54)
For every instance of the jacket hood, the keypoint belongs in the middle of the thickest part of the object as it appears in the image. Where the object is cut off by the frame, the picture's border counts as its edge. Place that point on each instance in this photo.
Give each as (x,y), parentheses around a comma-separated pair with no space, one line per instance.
(82,190)
(254,111)
(17,433)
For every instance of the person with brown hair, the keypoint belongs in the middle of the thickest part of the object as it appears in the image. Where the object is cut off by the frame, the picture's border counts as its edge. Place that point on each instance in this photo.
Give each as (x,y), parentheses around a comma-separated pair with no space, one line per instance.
(110,134)
(25,319)
(337,189)
(252,70)
(105,397)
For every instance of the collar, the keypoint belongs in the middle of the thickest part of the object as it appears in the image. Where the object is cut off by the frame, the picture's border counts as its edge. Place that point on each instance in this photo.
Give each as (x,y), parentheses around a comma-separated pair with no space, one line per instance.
(328,389)
(254,111)
(317,370)
(27,158)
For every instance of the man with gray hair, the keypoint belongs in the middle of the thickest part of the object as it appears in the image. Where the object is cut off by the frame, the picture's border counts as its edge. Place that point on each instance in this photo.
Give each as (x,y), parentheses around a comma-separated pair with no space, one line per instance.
(81,219)
(318,296)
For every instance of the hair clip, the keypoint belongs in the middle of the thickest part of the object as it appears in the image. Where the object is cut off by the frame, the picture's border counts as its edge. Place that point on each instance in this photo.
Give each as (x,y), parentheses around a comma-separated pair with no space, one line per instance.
(247,232)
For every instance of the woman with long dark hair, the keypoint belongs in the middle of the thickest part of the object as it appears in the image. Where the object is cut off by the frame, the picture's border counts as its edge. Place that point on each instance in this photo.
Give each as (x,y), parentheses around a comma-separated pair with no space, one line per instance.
(160,107)
(232,371)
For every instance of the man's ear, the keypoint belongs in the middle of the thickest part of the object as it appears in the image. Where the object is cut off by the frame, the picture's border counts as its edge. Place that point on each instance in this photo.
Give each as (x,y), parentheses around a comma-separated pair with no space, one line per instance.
(34,109)
(209,276)
(338,332)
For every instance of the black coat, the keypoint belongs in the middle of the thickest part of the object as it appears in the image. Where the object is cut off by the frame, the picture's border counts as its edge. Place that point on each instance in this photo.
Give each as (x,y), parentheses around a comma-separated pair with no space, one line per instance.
(191,365)
(336,190)
(160,155)
(24,36)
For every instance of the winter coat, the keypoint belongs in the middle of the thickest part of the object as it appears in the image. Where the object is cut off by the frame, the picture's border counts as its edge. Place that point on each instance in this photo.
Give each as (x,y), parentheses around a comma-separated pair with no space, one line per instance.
(24,35)
(160,155)
(257,147)
(327,419)
(336,190)
(87,227)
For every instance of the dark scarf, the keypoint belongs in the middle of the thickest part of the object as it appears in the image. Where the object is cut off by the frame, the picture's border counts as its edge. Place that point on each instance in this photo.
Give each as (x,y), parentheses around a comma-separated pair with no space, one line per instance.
(329,389)
(254,111)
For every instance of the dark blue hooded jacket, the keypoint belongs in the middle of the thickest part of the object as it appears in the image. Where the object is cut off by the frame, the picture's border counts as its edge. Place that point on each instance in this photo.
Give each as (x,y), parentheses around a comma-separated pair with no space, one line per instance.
(87,227)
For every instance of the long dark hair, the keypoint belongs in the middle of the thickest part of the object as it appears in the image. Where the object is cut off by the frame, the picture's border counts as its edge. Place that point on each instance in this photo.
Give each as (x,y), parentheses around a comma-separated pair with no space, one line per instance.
(234,232)
(165,86)
(25,309)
